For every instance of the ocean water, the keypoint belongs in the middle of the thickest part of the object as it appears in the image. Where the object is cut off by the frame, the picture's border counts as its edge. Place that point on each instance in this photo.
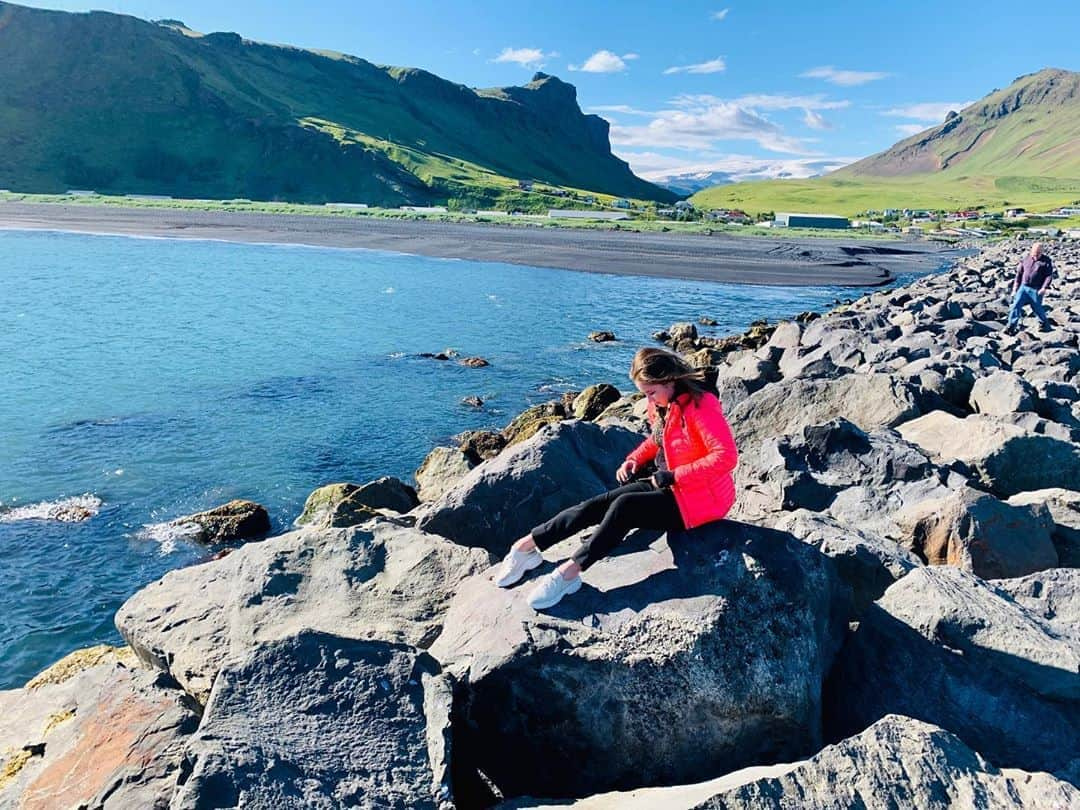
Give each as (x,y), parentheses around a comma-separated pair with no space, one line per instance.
(144,379)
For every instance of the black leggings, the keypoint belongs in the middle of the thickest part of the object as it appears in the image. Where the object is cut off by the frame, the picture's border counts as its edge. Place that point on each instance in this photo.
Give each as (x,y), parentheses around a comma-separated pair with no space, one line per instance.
(639,505)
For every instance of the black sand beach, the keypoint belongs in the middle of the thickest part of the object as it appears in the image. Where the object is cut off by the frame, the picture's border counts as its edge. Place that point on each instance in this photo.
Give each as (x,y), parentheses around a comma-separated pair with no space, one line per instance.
(734,259)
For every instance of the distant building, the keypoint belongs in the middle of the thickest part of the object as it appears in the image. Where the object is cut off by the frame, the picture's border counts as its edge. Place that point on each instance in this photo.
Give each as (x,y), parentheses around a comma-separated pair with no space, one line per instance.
(525,185)
(565,213)
(1013,213)
(1067,210)
(621,203)
(147,197)
(80,192)
(867,223)
(684,205)
(492,214)
(346,205)
(790,220)
(1047,231)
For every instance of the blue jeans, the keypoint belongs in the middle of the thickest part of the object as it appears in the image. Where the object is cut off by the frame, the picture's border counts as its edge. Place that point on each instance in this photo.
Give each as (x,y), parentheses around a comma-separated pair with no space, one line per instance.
(1026,295)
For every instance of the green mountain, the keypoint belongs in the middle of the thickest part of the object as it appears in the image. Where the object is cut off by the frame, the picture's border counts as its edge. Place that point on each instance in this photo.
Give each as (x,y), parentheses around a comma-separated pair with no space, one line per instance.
(120,105)
(1017,146)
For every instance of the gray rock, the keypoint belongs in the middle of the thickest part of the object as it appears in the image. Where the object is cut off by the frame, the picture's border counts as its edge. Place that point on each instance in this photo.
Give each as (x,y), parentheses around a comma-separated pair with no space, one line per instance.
(867,400)
(1002,392)
(443,468)
(340,505)
(786,335)
(946,647)
(1006,458)
(317,721)
(651,674)
(1064,506)
(975,531)
(235,520)
(731,391)
(94,730)
(682,331)
(866,562)
(504,498)
(378,580)
(1054,595)
(898,762)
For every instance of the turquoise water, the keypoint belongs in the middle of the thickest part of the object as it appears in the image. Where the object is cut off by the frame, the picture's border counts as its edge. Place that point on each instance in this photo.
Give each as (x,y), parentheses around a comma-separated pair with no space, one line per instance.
(162,377)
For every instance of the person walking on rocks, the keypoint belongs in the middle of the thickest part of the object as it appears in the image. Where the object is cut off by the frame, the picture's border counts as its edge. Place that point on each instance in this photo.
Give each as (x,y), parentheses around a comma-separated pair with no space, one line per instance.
(694,454)
(1033,275)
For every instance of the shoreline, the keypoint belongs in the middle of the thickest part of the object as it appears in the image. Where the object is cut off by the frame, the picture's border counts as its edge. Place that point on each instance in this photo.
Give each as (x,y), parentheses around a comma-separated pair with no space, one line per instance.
(719,258)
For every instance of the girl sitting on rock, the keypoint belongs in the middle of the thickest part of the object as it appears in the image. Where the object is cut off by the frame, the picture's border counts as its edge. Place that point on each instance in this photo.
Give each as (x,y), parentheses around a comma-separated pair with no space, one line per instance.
(694,454)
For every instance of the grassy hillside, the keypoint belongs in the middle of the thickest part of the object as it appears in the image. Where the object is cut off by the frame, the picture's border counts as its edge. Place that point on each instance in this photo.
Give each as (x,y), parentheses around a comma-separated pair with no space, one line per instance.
(1018,146)
(118,104)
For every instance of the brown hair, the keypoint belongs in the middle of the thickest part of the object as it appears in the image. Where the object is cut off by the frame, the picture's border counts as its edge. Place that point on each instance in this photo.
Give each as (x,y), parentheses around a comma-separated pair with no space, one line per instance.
(653,366)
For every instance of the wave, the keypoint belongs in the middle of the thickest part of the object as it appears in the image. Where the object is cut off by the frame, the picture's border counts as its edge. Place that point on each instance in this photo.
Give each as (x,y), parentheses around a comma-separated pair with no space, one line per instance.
(66,510)
(167,535)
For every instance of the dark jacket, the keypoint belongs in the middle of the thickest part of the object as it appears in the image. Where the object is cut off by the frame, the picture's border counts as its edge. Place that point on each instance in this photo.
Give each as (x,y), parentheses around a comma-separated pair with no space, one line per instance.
(1034,272)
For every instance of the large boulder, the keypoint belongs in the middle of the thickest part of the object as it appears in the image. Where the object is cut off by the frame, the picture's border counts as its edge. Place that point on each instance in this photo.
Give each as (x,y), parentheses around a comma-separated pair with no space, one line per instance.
(975,531)
(1054,595)
(836,467)
(867,562)
(504,498)
(319,721)
(440,471)
(1002,392)
(235,520)
(378,580)
(672,663)
(898,762)
(1005,458)
(530,421)
(94,730)
(868,400)
(340,505)
(945,647)
(1064,506)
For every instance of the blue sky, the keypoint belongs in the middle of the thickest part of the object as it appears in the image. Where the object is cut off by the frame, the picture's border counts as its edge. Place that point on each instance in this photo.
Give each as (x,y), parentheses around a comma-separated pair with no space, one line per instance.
(757,88)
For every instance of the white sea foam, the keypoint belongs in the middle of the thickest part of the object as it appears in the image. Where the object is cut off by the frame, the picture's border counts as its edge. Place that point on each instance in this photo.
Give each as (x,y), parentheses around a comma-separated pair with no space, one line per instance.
(66,510)
(389,291)
(167,535)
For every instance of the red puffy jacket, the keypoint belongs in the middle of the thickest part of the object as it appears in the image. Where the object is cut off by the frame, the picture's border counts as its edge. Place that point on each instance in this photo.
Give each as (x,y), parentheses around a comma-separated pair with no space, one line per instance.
(700,451)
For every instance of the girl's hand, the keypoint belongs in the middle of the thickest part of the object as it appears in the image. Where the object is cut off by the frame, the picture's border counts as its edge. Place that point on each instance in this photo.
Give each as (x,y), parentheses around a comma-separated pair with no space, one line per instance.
(626,471)
(663,479)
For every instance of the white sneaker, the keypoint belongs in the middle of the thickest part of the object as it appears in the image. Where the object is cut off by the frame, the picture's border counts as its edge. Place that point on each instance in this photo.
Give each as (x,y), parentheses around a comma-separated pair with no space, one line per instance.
(514,566)
(551,589)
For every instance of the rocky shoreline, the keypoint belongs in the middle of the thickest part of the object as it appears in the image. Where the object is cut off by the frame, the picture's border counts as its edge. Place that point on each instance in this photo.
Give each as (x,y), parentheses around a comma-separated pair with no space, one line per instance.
(890,616)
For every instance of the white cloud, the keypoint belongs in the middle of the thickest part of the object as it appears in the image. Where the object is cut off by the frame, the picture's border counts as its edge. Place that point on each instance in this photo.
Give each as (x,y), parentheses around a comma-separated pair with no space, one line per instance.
(765,102)
(933,112)
(631,56)
(712,66)
(604,62)
(700,126)
(625,109)
(476,52)
(655,166)
(814,120)
(907,130)
(526,57)
(721,14)
(844,78)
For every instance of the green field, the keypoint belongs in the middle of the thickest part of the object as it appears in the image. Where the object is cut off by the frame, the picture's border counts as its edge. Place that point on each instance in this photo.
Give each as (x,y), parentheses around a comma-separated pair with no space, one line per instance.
(849,197)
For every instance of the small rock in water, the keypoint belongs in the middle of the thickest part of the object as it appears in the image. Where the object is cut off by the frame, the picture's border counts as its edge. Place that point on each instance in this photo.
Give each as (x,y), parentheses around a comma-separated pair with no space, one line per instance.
(473,402)
(601,337)
(443,355)
(475,362)
(704,320)
(235,520)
